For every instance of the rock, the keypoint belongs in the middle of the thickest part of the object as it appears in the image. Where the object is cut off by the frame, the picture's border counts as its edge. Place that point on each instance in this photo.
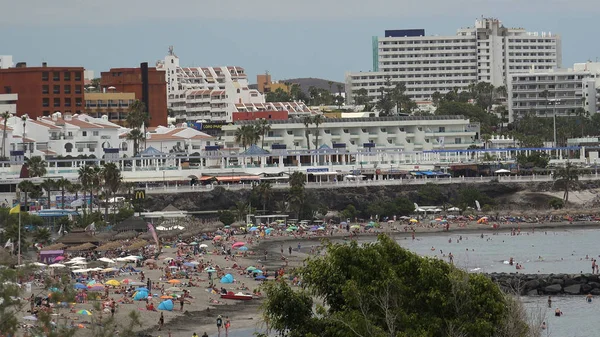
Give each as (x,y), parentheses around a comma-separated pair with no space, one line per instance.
(569,282)
(594,285)
(533,284)
(586,288)
(595,291)
(574,289)
(533,292)
(553,289)
(592,277)
(557,281)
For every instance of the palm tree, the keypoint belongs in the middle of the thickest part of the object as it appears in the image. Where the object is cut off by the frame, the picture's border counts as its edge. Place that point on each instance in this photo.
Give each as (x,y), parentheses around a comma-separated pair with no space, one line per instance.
(96,181)
(85,179)
(137,116)
(263,128)
(317,120)
(42,235)
(26,188)
(265,192)
(128,188)
(297,179)
(307,122)
(545,94)
(36,166)
(74,188)
(567,176)
(48,185)
(63,184)
(5,116)
(137,137)
(240,137)
(111,176)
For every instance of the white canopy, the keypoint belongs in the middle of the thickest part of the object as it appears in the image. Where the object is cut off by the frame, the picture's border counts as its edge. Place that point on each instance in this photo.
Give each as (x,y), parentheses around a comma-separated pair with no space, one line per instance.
(502,171)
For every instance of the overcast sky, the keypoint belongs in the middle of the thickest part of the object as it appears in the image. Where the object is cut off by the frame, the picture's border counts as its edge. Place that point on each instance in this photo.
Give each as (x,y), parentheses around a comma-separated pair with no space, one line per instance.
(307,38)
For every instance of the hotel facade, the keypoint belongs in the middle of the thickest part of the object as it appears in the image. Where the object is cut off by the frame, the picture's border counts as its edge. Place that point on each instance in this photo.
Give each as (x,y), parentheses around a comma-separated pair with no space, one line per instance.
(487,52)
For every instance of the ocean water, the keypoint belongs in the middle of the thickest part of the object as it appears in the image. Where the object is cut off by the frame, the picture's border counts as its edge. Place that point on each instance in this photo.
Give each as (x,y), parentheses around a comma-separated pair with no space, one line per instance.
(542,252)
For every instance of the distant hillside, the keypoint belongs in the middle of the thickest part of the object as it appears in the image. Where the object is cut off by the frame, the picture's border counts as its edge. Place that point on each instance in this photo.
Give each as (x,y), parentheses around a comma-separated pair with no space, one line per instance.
(306,83)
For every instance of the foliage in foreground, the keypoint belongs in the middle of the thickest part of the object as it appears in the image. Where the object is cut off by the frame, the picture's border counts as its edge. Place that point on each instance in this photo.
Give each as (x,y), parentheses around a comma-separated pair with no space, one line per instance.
(381,289)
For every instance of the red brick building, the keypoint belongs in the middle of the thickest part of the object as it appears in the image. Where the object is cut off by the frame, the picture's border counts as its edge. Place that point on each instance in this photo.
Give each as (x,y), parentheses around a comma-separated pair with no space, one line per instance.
(130,80)
(253,115)
(44,90)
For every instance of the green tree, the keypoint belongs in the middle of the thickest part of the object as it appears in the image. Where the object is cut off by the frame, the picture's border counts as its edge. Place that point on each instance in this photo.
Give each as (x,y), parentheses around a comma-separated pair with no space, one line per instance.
(5,116)
(431,194)
(567,178)
(26,187)
(349,213)
(317,121)
(385,104)
(307,120)
(279,95)
(85,174)
(535,159)
(48,185)
(36,166)
(42,235)
(63,184)
(467,197)
(227,217)
(263,128)
(112,180)
(400,295)
(436,97)
(137,137)
(361,97)
(297,196)
(265,192)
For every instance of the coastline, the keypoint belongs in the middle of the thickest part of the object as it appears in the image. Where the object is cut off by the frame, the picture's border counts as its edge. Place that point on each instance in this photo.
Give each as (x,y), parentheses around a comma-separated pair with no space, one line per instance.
(245,315)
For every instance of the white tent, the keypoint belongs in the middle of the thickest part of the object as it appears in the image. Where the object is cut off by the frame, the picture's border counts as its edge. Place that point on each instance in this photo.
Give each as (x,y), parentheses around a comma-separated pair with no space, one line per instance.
(502,171)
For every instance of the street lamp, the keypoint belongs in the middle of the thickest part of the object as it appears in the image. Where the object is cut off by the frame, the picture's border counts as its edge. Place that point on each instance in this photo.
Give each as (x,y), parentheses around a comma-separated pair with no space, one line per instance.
(554,101)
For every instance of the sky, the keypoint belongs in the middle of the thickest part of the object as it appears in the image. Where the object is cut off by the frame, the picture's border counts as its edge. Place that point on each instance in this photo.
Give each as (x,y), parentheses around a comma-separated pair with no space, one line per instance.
(289,39)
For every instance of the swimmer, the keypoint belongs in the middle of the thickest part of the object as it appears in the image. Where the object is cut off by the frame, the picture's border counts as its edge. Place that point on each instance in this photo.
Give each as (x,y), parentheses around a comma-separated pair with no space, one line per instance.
(450,240)
(543,326)
(588,298)
(557,312)
(549,301)
(432,248)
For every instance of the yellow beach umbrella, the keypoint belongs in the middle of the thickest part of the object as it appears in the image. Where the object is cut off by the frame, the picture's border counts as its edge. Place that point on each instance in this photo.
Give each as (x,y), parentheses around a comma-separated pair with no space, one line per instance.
(113,283)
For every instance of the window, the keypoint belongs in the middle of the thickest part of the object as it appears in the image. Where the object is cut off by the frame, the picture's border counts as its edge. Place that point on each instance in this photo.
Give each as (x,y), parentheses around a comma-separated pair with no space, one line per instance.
(68,101)
(57,102)
(7,90)
(345,130)
(290,132)
(45,89)
(442,129)
(78,101)
(67,89)
(45,102)
(67,76)
(56,89)
(56,76)
(78,76)
(95,133)
(84,133)
(457,141)
(78,89)
(68,147)
(46,113)
(45,76)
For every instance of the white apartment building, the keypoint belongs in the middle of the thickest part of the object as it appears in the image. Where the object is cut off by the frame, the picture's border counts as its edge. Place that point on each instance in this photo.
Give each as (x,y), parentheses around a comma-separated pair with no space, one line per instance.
(81,135)
(6,61)
(425,64)
(560,92)
(205,93)
(413,133)
(8,103)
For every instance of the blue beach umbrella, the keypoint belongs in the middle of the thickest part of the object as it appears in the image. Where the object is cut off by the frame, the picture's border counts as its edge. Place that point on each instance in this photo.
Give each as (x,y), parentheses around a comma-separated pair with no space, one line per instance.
(142,289)
(80,286)
(140,295)
(227,279)
(243,249)
(260,277)
(253,229)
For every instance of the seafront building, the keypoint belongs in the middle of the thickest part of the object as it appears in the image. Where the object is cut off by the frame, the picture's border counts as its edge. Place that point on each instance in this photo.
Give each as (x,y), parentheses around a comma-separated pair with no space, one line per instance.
(486,52)
(213,94)
(555,92)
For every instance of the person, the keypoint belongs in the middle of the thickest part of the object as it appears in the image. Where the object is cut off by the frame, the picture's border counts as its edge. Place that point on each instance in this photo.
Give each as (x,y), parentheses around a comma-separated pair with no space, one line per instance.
(195,334)
(181,302)
(227,325)
(161,321)
(205,334)
(549,301)
(219,324)
(290,250)
(588,298)
(557,312)
(543,325)
(451,258)
(113,307)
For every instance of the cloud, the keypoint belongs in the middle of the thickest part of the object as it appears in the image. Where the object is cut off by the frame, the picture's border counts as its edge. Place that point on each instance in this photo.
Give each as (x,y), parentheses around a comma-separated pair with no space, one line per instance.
(111,12)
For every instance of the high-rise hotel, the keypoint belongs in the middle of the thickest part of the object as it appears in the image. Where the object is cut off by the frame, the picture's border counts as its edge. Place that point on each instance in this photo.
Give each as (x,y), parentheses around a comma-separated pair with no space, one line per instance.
(425,64)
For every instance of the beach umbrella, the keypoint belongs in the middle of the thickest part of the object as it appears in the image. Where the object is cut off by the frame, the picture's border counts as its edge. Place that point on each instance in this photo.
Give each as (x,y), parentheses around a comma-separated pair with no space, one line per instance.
(113,283)
(321,228)
(96,287)
(243,249)
(127,281)
(251,268)
(195,263)
(257,271)
(30,318)
(289,230)
(106,259)
(108,270)
(59,258)
(173,267)
(166,297)
(414,220)
(91,283)
(260,277)
(343,223)
(227,279)
(142,289)
(173,281)
(57,265)
(121,259)
(218,237)
(253,229)
(355,227)
(55,290)
(169,259)
(173,289)
(238,244)
(194,243)
(210,270)
(188,264)
(79,271)
(80,286)
(268,230)
(85,312)
(166,305)
(140,295)
(203,245)
(293,227)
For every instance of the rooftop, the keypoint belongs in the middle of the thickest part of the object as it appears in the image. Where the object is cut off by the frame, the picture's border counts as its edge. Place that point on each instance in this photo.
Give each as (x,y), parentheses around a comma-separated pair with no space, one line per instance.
(358,120)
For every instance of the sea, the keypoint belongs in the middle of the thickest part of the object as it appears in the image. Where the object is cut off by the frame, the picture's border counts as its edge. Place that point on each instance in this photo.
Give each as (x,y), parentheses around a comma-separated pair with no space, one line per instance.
(539,252)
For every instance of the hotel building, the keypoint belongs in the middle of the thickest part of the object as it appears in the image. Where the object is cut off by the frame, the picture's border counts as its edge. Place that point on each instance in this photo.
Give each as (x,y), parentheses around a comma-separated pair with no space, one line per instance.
(487,52)
(560,92)
(214,93)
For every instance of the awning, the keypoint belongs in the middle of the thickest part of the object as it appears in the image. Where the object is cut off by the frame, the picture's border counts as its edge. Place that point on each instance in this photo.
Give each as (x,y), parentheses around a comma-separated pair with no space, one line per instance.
(237,178)
(205,178)
(324,173)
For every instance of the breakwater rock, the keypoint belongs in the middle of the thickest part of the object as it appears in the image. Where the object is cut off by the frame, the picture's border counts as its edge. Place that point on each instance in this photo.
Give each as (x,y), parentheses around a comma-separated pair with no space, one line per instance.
(548,284)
